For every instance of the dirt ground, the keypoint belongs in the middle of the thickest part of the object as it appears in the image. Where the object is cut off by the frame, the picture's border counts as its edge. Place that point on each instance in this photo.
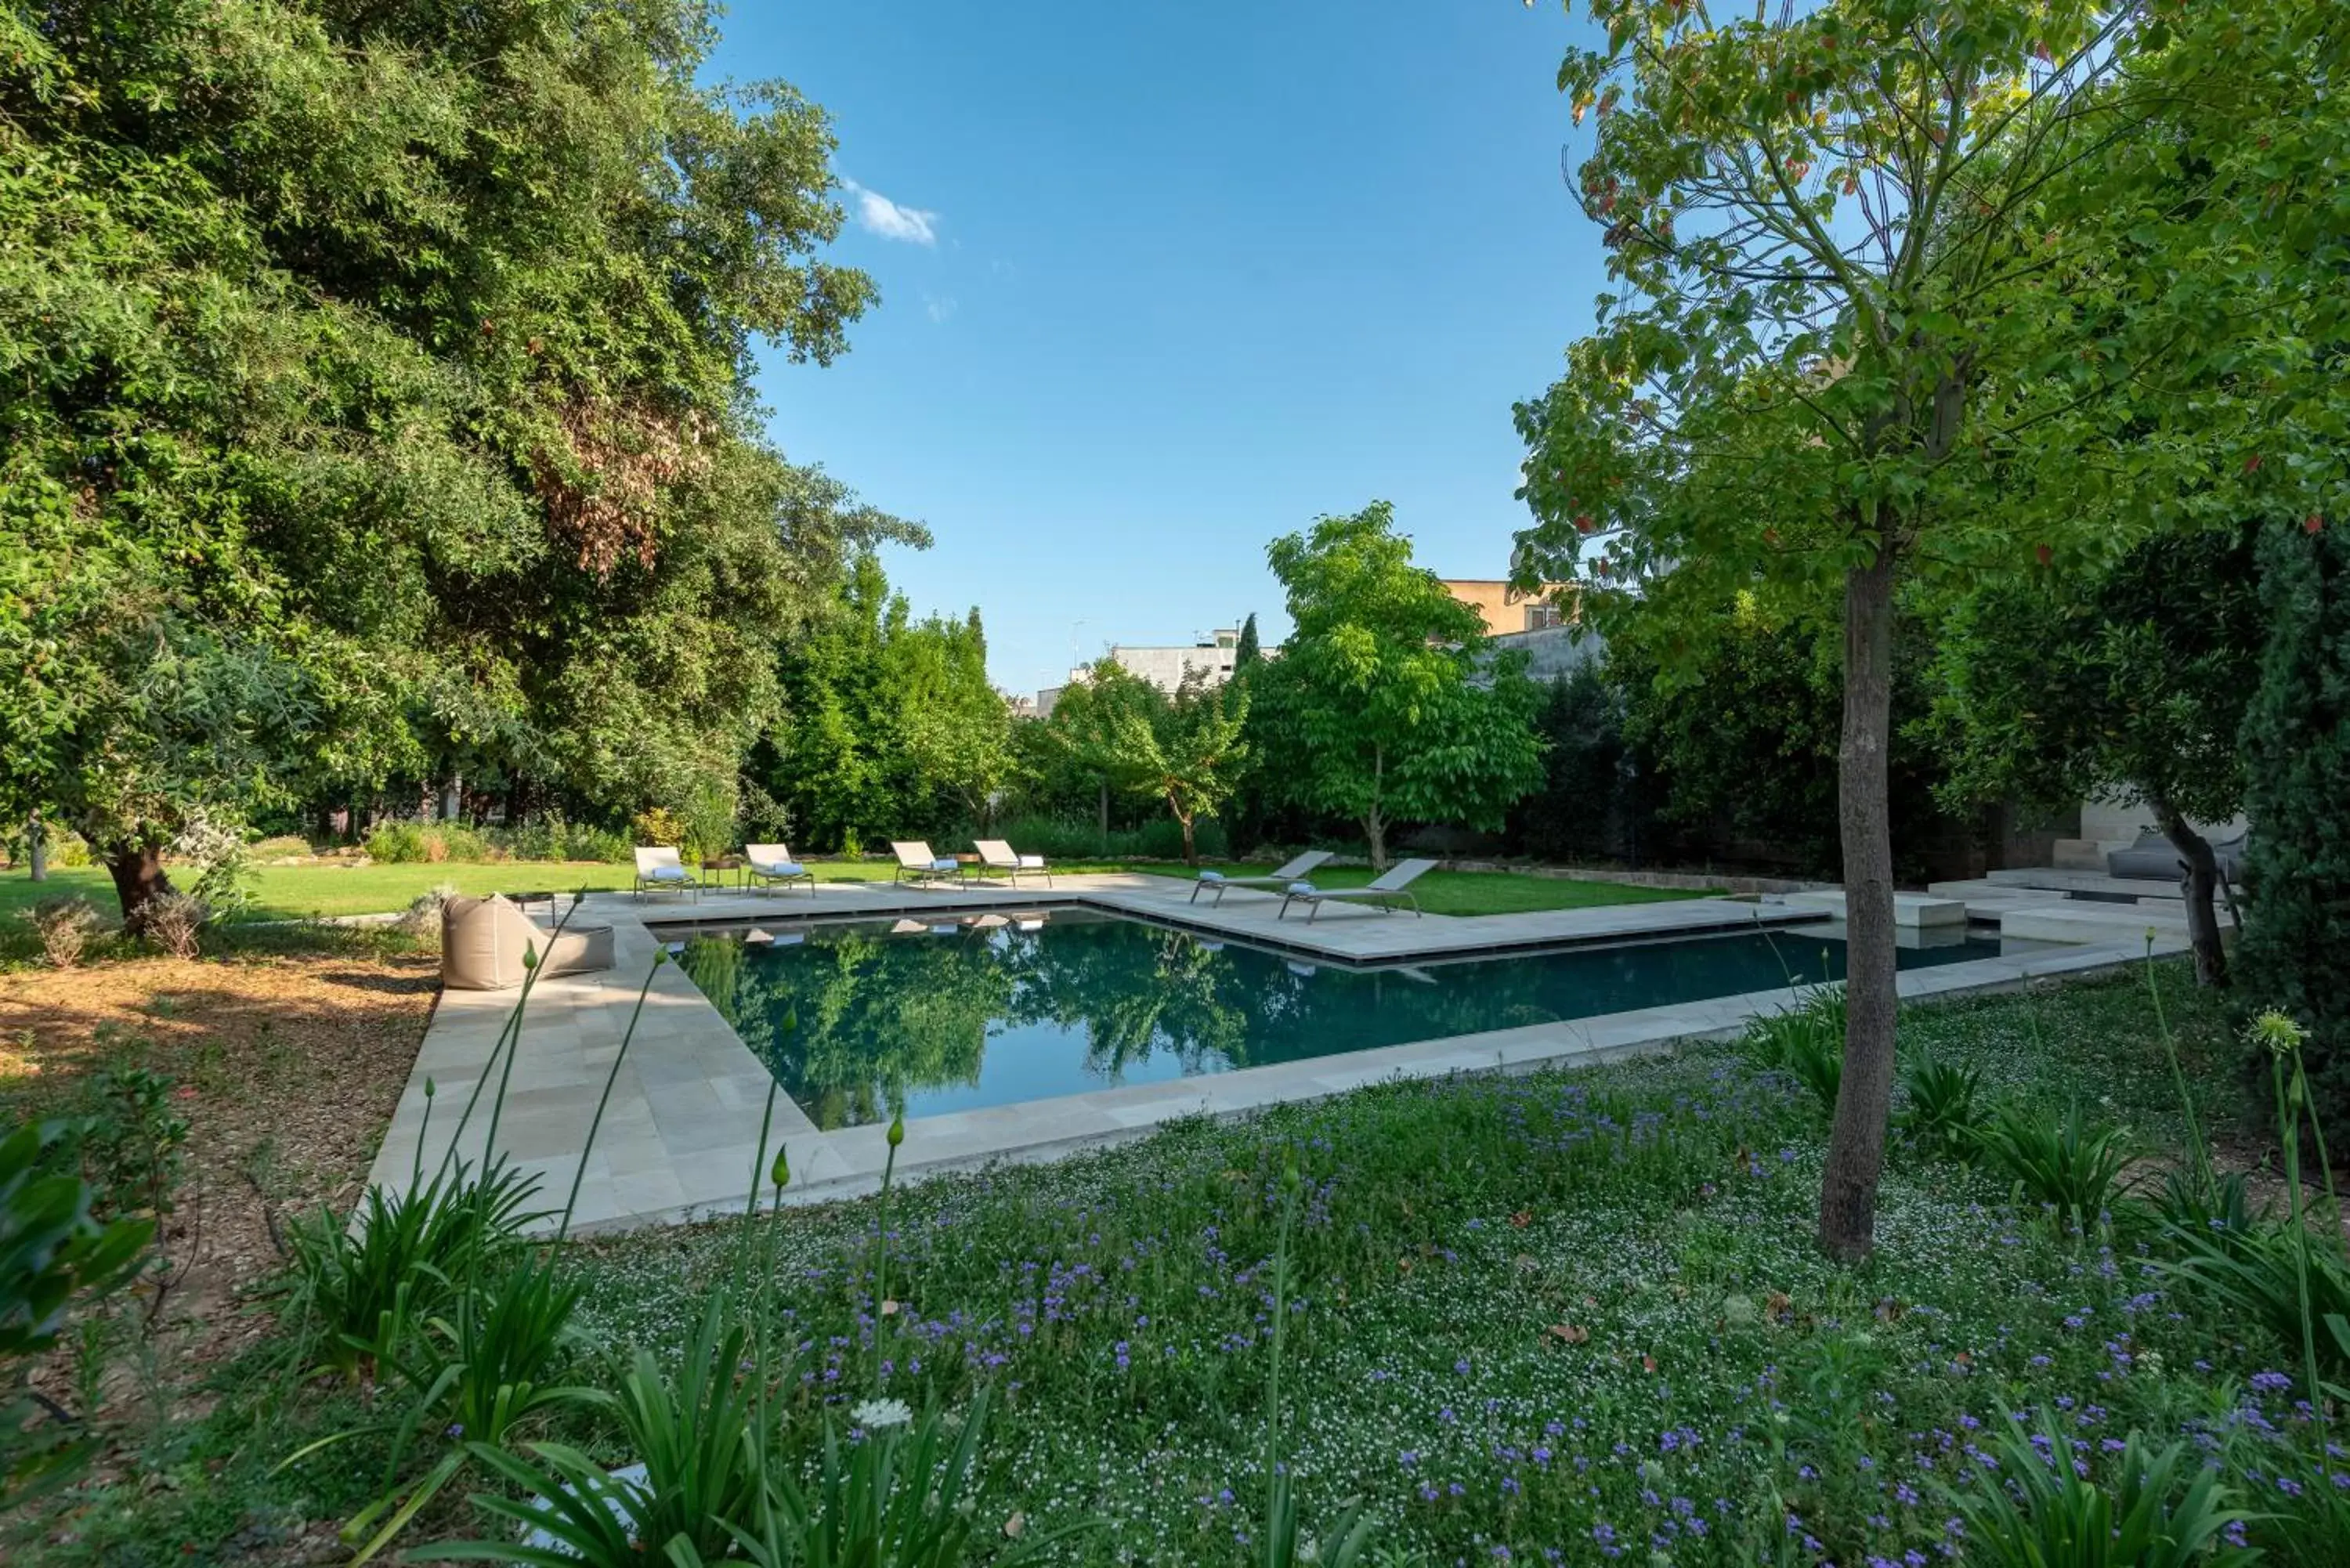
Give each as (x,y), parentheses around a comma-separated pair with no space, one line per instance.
(287,1069)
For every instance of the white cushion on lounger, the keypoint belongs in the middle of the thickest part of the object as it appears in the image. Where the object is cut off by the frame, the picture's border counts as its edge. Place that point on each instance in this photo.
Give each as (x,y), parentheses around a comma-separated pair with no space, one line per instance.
(1032,863)
(1304,887)
(1212,876)
(946,863)
(664,874)
(779,868)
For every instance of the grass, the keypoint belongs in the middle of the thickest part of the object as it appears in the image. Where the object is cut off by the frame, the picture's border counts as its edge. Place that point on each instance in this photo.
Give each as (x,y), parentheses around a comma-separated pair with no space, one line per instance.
(1564,1317)
(1478,892)
(296,892)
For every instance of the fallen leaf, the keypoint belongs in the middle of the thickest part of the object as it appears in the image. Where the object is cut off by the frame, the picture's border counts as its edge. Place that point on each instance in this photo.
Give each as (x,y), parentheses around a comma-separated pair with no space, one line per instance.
(1015,1525)
(888,1309)
(1522,1217)
(1568,1333)
(1648,1364)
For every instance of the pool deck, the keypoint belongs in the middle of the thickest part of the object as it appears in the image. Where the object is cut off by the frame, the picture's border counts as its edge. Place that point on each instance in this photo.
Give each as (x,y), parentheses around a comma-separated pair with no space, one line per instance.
(681,1133)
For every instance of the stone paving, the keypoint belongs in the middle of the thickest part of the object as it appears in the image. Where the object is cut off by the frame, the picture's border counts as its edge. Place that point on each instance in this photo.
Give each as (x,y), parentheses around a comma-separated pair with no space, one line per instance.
(682,1131)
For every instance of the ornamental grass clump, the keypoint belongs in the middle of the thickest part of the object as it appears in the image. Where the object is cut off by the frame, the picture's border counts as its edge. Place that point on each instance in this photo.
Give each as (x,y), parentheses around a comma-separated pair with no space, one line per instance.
(2039,1507)
(2280,1274)
(64,926)
(1805,1041)
(1940,1116)
(2061,1160)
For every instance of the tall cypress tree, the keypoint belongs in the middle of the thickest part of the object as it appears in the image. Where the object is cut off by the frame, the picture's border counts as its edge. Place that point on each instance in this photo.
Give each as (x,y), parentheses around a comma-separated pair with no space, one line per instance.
(2296,746)
(1247,652)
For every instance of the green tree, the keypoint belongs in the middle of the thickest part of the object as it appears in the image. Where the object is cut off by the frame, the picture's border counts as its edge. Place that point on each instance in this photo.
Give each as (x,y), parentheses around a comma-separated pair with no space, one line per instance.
(1245,651)
(2296,741)
(891,726)
(1375,709)
(1187,752)
(337,452)
(1841,292)
(2065,686)
(1083,738)
(1574,814)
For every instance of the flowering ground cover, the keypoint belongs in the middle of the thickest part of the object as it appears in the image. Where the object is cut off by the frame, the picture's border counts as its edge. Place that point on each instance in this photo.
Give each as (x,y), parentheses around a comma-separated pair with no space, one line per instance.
(1565,1317)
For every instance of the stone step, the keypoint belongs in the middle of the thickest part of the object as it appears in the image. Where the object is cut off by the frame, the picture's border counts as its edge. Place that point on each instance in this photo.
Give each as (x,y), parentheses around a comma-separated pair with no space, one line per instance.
(2097,884)
(1909,910)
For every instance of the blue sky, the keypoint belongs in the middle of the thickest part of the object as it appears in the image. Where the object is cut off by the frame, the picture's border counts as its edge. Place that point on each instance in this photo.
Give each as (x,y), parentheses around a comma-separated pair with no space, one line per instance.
(1162,282)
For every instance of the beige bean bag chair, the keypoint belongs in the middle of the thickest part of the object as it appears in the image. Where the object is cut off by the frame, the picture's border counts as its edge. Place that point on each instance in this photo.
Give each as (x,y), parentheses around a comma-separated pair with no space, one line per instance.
(483,942)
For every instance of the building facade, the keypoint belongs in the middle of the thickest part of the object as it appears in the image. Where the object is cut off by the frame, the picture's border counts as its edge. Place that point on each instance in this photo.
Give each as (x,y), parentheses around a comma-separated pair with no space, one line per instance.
(1166,667)
(1506,609)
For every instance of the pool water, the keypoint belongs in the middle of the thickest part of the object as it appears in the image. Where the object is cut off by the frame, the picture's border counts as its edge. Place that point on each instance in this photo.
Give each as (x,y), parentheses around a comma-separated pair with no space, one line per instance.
(859,1020)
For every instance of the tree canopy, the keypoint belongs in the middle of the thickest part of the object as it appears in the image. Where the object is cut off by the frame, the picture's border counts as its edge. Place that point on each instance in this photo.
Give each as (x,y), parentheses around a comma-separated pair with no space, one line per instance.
(1846,271)
(377,403)
(891,726)
(1376,710)
(2061,686)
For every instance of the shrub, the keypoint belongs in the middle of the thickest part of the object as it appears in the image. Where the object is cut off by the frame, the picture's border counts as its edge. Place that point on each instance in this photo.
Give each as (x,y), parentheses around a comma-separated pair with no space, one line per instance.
(58,1257)
(64,926)
(657,827)
(429,843)
(175,922)
(2059,1159)
(550,837)
(1069,839)
(128,1139)
(1939,1114)
(282,846)
(396,843)
(459,842)
(2297,744)
(2048,1515)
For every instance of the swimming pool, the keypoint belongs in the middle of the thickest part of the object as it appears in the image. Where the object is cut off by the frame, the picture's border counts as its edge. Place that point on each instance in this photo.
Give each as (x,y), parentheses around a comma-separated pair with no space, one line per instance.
(860,1019)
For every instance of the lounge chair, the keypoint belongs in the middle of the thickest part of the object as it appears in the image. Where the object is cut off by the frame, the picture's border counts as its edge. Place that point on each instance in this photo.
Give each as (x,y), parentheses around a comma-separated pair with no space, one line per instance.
(658,870)
(2153,859)
(766,865)
(917,865)
(995,854)
(1278,877)
(1382,895)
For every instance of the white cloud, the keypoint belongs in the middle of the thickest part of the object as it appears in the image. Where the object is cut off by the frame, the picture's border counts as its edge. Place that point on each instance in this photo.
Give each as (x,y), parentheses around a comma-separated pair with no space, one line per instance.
(941,306)
(876,214)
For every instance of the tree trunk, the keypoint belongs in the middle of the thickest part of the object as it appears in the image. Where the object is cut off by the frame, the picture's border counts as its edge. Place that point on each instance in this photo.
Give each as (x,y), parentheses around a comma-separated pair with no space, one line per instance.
(139,878)
(1857,1146)
(2202,878)
(1105,816)
(36,847)
(1190,851)
(1375,823)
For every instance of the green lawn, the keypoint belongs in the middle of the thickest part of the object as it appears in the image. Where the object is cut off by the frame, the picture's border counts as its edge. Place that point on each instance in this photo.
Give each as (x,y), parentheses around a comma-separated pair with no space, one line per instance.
(1478,892)
(292,892)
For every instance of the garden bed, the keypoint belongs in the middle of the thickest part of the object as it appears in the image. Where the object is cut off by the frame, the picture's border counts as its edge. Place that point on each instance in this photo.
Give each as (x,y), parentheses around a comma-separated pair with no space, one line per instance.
(1565,1317)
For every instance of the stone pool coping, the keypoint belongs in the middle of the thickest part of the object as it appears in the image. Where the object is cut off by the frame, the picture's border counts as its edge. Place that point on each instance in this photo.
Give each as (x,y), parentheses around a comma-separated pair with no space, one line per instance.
(680,1138)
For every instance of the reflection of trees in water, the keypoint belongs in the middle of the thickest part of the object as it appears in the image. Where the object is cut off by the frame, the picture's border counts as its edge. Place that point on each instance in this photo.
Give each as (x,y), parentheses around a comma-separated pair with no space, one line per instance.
(881,1017)
(875,1017)
(1132,991)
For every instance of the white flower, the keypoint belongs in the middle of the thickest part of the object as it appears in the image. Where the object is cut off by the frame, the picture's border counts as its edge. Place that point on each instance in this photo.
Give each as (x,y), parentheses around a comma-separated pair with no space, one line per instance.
(880,1415)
